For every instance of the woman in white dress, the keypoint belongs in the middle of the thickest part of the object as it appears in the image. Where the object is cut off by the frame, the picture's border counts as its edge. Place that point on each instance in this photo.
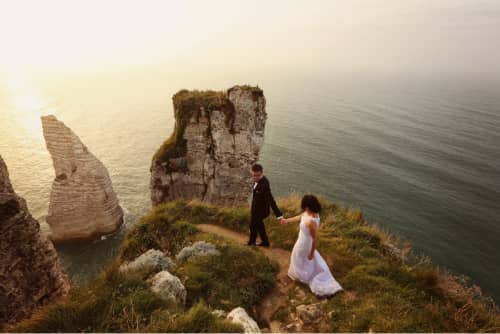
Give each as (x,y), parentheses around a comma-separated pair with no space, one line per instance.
(306,264)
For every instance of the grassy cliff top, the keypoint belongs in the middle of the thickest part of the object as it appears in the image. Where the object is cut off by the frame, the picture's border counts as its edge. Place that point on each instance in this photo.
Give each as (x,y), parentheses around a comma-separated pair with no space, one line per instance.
(386,287)
(186,102)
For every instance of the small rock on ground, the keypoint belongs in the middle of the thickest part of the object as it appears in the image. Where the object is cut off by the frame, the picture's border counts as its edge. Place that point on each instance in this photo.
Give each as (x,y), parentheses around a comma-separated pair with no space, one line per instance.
(199,248)
(153,259)
(240,316)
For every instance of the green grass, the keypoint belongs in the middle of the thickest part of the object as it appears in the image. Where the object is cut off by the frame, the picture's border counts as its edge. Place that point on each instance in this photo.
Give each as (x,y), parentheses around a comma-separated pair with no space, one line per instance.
(223,281)
(201,213)
(159,231)
(114,302)
(198,319)
(383,292)
(122,302)
(237,277)
(389,294)
(256,91)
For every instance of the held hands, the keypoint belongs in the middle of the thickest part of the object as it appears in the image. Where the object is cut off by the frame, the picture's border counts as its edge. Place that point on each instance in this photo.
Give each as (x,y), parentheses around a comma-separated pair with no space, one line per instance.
(283,221)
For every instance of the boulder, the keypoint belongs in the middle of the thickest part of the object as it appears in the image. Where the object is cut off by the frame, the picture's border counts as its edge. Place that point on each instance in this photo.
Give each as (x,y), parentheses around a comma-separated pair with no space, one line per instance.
(241,317)
(199,248)
(309,313)
(168,287)
(154,260)
(219,313)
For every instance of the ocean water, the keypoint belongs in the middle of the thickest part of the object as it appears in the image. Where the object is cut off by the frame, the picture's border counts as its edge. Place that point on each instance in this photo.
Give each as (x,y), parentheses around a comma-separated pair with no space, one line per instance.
(419,156)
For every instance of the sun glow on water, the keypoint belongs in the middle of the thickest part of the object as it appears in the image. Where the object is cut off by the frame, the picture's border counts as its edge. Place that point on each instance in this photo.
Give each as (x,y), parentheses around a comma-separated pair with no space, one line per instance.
(24,104)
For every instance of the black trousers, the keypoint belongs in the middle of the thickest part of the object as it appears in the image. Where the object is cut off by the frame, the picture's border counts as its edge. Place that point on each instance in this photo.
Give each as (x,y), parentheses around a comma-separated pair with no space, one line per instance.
(257,226)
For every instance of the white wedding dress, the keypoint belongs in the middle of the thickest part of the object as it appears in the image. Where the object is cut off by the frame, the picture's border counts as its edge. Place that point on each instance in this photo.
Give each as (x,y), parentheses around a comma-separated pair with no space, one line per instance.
(313,272)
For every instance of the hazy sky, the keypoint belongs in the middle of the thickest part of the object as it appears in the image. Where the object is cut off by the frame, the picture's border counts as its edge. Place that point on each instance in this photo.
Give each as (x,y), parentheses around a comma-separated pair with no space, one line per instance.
(460,36)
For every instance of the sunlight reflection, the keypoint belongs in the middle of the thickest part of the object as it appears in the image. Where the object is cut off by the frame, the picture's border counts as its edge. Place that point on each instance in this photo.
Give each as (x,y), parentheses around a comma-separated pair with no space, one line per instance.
(25,104)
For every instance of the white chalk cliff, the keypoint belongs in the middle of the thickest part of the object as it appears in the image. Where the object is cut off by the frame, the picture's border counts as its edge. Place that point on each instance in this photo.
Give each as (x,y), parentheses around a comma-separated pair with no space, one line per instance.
(217,137)
(83,204)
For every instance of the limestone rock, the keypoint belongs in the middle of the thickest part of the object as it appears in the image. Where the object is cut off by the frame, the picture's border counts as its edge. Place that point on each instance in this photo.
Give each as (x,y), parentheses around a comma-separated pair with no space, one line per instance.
(168,287)
(219,313)
(217,137)
(309,313)
(241,317)
(199,248)
(292,327)
(30,272)
(155,260)
(83,204)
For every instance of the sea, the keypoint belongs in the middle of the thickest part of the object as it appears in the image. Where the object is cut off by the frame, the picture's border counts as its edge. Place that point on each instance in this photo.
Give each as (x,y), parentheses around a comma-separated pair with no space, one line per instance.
(418,154)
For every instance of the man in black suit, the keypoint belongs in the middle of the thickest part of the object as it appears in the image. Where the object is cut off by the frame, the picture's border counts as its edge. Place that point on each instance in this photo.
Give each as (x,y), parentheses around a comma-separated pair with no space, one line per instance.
(262,199)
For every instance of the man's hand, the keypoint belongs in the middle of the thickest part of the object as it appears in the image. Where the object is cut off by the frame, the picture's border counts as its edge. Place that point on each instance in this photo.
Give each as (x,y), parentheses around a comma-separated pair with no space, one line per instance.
(283,221)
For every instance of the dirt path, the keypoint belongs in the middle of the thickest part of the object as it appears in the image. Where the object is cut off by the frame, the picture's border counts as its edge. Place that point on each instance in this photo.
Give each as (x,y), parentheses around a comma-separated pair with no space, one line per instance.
(279,297)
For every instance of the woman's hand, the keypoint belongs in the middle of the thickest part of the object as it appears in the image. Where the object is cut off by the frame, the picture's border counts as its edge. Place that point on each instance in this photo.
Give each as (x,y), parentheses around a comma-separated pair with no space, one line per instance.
(310,256)
(283,221)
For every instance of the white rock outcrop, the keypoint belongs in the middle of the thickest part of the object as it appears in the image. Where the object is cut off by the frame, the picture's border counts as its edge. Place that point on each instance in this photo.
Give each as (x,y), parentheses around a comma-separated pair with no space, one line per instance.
(83,204)
(154,260)
(30,272)
(217,137)
(168,287)
(241,317)
(199,248)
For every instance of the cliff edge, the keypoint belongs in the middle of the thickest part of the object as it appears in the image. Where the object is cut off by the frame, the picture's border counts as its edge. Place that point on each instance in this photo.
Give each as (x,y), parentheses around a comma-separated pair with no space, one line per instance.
(30,272)
(191,254)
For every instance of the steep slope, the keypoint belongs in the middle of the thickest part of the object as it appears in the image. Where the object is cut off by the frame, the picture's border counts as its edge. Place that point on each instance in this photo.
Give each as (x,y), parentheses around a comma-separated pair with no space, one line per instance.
(30,272)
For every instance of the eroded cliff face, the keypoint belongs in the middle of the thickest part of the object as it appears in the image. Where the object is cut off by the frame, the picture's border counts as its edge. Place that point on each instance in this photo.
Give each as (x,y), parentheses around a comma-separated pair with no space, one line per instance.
(30,272)
(217,137)
(83,204)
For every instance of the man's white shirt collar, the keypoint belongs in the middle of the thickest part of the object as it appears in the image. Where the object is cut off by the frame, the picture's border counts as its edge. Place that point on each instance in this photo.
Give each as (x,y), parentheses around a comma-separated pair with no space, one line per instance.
(255,183)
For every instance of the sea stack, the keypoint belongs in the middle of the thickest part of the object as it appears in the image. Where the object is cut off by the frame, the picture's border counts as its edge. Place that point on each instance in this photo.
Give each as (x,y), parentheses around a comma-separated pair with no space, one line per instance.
(30,272)
(216,139)
(83,204)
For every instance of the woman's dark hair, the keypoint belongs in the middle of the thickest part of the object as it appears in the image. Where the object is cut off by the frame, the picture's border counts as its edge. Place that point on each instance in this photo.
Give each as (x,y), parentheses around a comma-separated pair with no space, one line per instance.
(311,202)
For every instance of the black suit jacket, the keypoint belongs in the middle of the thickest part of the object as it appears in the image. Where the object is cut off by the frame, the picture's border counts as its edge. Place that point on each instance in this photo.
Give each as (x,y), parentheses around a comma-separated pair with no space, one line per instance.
(262,199)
